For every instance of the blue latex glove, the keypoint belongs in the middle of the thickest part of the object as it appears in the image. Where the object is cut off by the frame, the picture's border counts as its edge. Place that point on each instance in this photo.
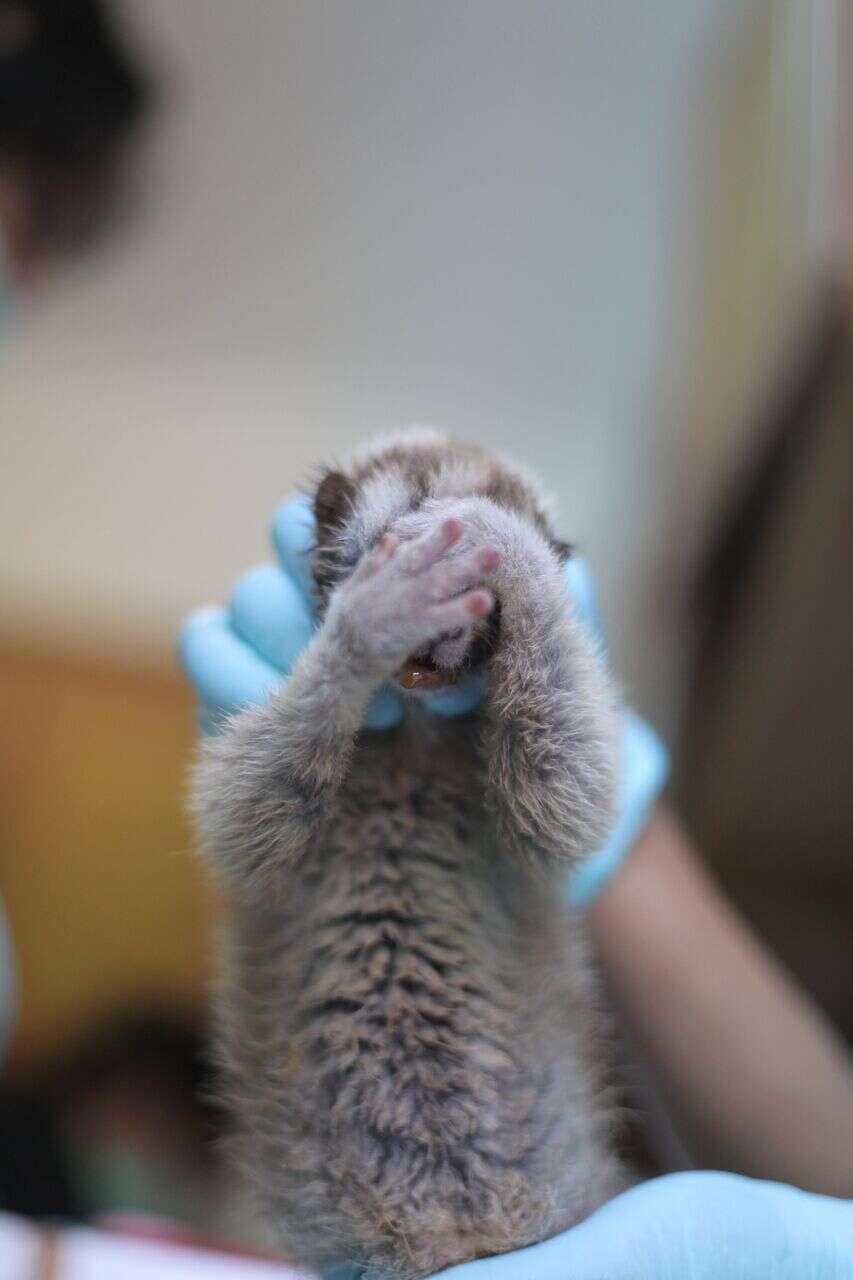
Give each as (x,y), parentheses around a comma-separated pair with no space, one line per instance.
(237,655)
(691,1226)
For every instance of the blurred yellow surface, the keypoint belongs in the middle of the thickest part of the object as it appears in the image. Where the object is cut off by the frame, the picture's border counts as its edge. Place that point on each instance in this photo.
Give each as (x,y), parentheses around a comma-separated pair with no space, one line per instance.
(106,904)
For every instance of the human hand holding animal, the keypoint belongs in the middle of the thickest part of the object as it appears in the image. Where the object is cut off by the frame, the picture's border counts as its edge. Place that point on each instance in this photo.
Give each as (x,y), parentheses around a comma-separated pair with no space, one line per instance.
(236,655)
(636,1227)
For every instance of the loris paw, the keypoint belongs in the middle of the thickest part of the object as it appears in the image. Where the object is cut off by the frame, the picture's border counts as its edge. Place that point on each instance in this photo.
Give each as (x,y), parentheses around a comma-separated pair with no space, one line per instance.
(404,597)
(526,554)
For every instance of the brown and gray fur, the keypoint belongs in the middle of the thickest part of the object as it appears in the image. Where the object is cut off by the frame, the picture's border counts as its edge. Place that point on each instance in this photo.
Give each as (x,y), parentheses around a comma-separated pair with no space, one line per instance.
(409,1033)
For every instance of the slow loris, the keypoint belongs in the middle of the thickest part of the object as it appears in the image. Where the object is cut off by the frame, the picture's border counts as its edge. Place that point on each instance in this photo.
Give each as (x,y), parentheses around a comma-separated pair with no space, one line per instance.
(408,1030)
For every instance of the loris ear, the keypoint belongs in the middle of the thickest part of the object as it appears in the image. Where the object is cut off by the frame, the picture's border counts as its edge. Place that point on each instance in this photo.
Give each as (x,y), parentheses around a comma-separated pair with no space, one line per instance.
(562,550)
(333,500)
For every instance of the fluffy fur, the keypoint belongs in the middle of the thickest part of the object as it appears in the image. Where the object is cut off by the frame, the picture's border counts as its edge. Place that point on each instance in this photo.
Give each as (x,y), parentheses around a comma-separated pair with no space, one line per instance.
(409,1036)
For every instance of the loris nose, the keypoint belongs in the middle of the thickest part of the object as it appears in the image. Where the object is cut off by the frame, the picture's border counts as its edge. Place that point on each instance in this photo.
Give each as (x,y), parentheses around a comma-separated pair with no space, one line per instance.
(457,633)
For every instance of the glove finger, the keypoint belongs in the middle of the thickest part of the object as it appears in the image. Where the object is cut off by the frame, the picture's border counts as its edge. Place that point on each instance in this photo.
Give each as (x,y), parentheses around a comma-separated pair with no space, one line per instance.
(385,709)
(618,1240)
(457,699)
(226,673)
(209,722)
(293,533)
(560,1258)
(643,769)
(268,610)
(582,592)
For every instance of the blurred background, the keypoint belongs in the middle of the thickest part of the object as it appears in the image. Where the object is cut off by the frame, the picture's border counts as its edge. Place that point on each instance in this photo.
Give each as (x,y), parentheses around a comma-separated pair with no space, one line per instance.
(613,240)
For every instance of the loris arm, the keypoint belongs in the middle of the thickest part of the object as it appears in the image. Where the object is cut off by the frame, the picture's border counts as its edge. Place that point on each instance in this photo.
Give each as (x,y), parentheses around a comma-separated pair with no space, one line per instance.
(550,722)
(264,787)
(235,656)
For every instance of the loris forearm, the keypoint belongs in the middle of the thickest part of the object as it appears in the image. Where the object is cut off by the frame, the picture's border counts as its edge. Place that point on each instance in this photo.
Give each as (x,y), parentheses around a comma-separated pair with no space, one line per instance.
(263,787)
(551,726)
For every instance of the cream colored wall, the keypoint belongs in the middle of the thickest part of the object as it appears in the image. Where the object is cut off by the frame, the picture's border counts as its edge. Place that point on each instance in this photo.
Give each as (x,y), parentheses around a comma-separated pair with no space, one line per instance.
(484,215)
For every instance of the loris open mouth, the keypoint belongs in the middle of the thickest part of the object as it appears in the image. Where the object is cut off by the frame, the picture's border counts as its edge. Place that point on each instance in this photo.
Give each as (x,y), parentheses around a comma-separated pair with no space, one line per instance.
(451,657)
(422,671)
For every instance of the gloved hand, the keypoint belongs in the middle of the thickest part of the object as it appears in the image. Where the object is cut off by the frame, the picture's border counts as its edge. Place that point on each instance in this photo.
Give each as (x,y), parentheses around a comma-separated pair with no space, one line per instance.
(705,1226)
(237,655)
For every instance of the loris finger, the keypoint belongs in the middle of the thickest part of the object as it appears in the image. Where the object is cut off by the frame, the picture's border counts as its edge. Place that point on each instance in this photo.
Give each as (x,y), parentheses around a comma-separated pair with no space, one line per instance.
(385,548)
(460,611)
(424,551)
(449,577)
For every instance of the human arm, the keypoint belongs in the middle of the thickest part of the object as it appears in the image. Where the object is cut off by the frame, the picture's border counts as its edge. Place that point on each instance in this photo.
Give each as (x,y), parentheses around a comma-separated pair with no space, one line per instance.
(757,1079)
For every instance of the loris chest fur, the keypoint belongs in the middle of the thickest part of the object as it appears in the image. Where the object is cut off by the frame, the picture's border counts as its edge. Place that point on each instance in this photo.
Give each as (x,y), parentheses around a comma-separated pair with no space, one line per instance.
(408,1025)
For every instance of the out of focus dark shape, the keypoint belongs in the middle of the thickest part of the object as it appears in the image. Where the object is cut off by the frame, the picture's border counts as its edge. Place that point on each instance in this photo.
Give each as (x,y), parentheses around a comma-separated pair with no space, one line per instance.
(766,767)
(70,98)
(118,1122)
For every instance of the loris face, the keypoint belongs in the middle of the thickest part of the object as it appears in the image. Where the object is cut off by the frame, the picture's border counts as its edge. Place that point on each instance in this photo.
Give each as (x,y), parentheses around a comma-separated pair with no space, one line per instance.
(399,486)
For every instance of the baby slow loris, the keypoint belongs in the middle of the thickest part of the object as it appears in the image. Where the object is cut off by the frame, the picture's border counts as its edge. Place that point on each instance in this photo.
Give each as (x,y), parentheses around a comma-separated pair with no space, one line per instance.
(408,1032)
